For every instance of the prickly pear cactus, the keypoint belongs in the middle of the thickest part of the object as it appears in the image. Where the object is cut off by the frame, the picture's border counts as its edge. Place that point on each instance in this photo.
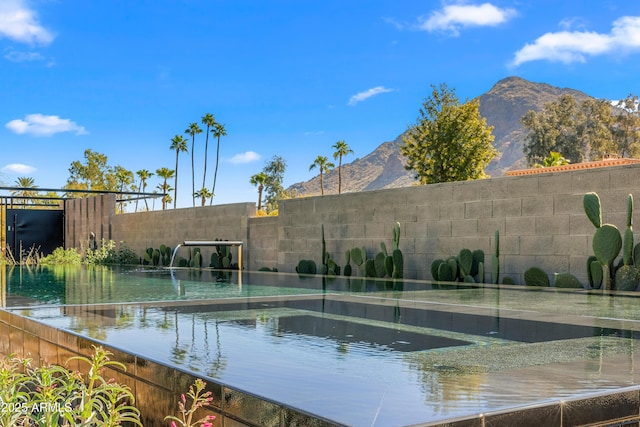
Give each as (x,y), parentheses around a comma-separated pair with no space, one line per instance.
(398,264)
(591,203)
(627,278)
(495,259)
(306,266)
(478,257)
(627,240)
(465,261)
(535,276)
(396,236)
(567,280)
(445,273)
(607,243)
(435,265)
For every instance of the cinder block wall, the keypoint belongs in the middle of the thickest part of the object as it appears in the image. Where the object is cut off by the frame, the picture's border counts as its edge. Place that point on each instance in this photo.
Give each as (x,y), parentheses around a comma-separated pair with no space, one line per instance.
(170,227)
(540,220)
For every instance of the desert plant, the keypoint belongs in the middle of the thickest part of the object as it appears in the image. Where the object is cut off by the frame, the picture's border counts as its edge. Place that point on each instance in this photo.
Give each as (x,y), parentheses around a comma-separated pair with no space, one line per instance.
(566,280)
(607,241)
(535,276)
(495,260)
(306,266)
(199,399)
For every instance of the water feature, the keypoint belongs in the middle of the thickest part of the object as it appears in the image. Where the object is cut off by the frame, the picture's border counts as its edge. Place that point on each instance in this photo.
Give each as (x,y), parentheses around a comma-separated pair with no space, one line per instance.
(357,352)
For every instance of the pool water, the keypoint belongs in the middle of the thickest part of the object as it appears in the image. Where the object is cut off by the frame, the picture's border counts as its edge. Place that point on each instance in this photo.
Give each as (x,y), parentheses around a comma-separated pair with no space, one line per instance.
(355,351)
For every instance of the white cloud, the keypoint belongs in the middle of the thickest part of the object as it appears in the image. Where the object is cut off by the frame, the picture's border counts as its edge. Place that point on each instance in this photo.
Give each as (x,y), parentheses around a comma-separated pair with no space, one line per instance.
(20,23)
(358,97)
(575,46)
(41,125)
(19,169)
(15,56)
(247,157)
(454,16)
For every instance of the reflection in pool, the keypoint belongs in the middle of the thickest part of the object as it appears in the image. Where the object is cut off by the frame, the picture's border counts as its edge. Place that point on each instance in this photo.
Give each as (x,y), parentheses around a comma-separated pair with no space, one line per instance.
(360,352)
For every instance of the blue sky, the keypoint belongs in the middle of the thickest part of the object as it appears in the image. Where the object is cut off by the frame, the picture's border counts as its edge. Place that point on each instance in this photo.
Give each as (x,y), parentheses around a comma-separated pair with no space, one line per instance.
(285,77)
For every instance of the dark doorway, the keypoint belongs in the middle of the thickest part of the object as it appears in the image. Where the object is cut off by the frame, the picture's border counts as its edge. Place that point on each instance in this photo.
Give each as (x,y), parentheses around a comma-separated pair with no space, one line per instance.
(41,229)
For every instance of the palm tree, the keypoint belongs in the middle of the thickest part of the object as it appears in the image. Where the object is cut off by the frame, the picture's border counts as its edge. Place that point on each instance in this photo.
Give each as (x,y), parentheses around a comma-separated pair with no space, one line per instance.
(324,165)
(209,121)
(165,174)
(259,179)
(218,131)
(192,130)
(25,183)
(143,174)
(124,178)
(179,144)
(204,194)
(342,149)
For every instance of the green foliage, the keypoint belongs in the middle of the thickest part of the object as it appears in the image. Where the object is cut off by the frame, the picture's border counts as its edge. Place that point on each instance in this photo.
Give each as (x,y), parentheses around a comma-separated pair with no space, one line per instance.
(273,190)
(450,141)
(94,174)
(199,399)
(105,254)
(324,165)
(535,276)
(508,281)
(571,128)
(306,266)
(61,256)
(627,278)
(567,280)
(54,395)
(554,159)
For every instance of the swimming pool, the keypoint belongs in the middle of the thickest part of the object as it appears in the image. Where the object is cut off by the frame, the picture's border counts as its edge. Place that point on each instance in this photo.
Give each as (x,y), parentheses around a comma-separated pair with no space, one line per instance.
(352,351)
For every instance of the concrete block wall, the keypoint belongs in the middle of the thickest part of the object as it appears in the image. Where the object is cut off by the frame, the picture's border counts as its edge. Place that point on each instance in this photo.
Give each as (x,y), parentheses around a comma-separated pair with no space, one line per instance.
(170,227)
(540,220)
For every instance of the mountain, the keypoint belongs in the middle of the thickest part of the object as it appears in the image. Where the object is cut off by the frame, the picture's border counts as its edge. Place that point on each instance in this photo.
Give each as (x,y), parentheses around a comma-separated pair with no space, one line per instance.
(507,101)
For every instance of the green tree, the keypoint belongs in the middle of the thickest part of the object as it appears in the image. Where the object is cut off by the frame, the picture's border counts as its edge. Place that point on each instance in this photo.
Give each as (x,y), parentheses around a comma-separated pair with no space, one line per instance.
(259,179)
(274,191)
(324,165)
(554,159)
(143,174)
(342,149)
(25,185)
(626,129)
(192,130)
(165,174)
(218,131)
(555,128)
(450,141)
(203,194)
(179,144)
(596,128)
(209,121)
(124,180)
(93,174)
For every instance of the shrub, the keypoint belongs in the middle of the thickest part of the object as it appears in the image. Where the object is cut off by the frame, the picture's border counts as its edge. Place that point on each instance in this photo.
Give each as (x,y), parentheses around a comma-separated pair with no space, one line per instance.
(61,256)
